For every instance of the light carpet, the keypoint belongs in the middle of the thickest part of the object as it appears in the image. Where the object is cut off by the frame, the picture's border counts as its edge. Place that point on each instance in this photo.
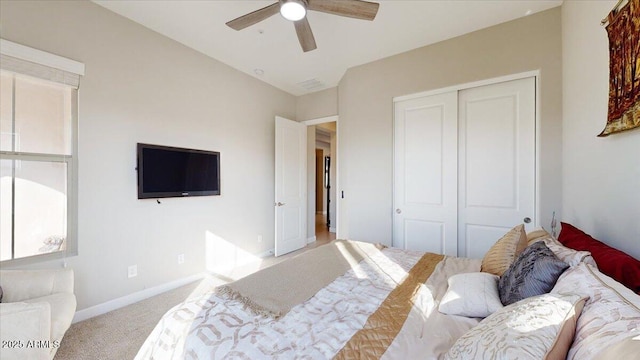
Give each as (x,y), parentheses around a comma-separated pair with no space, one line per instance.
(119,334)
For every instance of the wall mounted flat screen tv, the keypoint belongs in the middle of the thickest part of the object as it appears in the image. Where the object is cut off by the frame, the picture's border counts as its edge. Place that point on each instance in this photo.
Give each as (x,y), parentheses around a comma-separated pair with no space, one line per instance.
(165,171)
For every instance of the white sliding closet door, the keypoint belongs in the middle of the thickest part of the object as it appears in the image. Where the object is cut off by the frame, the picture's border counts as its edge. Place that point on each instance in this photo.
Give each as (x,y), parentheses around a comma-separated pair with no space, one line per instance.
(425,174)
(464,167)
(496,163)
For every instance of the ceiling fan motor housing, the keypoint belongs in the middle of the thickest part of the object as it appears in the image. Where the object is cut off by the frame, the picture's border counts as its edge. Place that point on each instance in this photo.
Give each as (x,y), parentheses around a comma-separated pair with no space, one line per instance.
(293,10)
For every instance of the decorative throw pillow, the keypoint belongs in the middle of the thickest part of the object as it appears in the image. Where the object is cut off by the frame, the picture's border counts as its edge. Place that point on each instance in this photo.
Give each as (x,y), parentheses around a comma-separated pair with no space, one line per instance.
(471,295)
(536,235)
(504,252)
(534,272)
(627,349)
(568,255)
(613,262)
(611,314)
(540,327)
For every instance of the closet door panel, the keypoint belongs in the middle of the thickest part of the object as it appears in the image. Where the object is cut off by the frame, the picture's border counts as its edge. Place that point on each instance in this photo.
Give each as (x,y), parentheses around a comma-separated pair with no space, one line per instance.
(491,169)
(479,238)
(496,162)
(422,235)
(425,174)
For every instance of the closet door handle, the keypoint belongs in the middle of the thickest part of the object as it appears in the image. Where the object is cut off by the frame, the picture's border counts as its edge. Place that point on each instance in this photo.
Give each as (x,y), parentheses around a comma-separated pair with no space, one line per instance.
(527,220)
(398,211)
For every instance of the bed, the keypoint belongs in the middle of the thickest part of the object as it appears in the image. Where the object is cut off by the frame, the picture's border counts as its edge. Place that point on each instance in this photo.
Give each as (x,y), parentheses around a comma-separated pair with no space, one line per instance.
(355,300)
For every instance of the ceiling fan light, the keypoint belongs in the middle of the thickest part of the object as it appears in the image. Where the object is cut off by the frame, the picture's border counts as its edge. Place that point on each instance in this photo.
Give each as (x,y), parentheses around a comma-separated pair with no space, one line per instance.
(293,10)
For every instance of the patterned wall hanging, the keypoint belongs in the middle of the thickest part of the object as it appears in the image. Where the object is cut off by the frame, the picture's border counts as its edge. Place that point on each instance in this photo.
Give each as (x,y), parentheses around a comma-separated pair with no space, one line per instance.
(623,29)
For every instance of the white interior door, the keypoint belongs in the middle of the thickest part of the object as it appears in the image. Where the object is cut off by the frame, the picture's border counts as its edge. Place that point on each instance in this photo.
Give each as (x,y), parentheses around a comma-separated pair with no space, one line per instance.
(425,174)
(496,163)
(291,186)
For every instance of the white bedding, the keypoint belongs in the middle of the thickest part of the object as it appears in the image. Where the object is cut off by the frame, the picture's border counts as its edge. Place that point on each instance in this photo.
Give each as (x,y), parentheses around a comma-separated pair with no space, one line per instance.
(211,327)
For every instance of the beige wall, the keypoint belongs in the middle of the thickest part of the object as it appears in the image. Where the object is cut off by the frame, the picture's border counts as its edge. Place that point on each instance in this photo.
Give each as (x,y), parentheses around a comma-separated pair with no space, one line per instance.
(142,87)
(317,105)
(601,176)
(366,97)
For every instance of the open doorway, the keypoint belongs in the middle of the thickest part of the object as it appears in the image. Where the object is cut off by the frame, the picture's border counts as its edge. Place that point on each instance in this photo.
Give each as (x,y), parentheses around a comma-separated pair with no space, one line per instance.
(325,209)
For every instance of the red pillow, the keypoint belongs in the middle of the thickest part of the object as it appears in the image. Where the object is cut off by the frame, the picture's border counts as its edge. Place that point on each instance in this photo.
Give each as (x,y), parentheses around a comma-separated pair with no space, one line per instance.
(613,262)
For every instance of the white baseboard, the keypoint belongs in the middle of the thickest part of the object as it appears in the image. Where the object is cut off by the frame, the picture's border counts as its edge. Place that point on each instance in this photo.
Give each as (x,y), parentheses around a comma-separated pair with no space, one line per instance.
(311,239)
(332,229)
(120,302)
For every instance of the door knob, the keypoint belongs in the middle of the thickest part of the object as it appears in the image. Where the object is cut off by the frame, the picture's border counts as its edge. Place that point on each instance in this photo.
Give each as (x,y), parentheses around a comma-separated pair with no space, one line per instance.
(279,203)
(398,211)
(527,220)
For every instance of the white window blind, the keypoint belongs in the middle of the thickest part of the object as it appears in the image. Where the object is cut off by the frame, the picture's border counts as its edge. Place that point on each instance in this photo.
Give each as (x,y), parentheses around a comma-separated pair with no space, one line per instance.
(33,62)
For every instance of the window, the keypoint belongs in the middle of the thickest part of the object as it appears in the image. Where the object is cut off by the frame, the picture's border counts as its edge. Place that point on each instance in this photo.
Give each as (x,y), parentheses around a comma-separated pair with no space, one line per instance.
(38,142)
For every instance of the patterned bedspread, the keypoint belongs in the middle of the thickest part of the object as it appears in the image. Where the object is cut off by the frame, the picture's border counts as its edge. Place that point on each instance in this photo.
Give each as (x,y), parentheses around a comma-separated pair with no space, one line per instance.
(211,327)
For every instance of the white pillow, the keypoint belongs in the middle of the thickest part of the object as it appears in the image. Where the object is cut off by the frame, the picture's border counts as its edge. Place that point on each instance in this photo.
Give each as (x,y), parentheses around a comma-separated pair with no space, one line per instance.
(471,295)
(611,314)
(536,328)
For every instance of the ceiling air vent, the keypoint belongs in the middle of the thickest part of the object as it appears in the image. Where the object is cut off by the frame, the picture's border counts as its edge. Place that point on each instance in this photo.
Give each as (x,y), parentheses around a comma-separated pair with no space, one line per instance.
(311,84)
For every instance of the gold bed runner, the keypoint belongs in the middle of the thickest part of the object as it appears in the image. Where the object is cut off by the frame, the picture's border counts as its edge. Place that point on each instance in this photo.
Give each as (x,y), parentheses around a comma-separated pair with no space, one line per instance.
(385,323)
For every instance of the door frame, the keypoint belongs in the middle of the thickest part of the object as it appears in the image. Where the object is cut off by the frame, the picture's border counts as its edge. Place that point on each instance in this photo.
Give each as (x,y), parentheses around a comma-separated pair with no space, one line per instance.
(491,81)
(334,164)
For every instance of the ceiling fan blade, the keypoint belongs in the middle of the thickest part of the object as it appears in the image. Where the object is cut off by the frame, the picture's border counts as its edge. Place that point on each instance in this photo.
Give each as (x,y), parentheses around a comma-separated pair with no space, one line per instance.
(357,9)
(254,17)
(305,36)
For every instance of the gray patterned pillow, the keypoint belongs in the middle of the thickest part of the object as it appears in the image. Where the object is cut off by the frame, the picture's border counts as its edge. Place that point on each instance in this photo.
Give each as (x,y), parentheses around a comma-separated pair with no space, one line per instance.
(534,272)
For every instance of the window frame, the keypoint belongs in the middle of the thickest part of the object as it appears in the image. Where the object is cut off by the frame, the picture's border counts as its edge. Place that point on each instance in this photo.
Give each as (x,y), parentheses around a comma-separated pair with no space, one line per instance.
(55,62)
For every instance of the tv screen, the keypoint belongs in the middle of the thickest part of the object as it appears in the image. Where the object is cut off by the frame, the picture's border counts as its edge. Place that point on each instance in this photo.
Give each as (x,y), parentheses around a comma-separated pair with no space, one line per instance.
(165,171)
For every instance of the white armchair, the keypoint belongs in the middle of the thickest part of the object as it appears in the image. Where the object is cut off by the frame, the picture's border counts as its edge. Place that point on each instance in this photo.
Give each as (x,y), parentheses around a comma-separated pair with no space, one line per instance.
(36,310)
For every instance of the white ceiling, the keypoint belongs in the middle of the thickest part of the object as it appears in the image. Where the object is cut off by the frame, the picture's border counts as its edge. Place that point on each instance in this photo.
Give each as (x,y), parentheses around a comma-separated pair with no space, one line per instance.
(272,45)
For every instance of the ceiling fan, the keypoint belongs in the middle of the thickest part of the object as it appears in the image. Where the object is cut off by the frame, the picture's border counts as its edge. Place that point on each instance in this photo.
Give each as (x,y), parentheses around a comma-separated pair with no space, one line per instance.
(296,11)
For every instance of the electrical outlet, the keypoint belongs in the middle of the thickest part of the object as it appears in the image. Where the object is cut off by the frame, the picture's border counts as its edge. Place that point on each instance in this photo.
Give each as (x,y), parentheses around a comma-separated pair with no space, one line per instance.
(259,238)
(181,259)
(133,271)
